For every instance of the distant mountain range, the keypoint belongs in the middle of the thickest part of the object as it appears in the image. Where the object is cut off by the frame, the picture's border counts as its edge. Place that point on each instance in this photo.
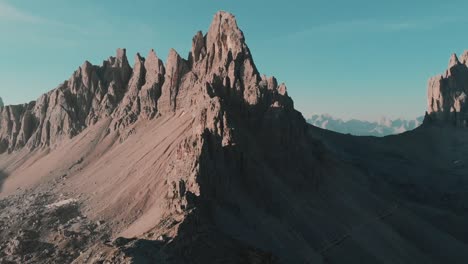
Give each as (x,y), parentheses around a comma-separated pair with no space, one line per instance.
(357,127)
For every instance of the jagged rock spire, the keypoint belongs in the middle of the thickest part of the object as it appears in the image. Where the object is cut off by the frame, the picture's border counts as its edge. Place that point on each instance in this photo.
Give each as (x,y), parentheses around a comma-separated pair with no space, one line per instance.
(91,94)
(151,90)
(176,68)
(453,61)
(447,94)
(464,57)
(198,47)
(225,36)
(219,65)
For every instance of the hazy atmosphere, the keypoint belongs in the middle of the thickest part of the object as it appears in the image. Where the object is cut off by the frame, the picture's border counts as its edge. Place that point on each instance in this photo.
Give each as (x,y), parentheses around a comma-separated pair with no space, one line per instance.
(351,59)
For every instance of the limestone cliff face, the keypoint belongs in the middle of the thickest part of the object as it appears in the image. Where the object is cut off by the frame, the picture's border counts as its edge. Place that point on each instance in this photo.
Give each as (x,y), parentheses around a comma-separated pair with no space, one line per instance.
(447,94)
(245,126)
(91,93)
(219,70)
(142,93)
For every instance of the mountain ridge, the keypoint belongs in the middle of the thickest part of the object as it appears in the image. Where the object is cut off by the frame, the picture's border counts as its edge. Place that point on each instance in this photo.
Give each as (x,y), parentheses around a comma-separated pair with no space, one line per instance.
(210,104)
(447,94)
(124,94)
(383,127)
(204,160)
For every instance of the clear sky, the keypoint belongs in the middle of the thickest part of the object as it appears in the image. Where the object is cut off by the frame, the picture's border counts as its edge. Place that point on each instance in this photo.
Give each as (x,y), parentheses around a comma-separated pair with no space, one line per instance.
(363,59)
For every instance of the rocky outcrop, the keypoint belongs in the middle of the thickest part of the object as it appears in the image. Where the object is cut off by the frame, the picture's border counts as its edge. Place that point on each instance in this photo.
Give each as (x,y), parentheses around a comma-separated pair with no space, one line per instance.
(235,128)
(178,80)
(91,94)
(129,109)
(1,102)
(143,91)
(151,90)
(219,65)
(447,94)
(240,129)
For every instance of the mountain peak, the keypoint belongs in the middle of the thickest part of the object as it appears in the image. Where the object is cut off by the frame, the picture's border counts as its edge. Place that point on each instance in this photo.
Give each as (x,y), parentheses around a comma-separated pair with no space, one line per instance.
(224,22)
(464,57)
(453,61)
(224,35)
(119,61)
(219,66)
(152,55)
(121,55)
(139,60)
(198,47)
(447,94)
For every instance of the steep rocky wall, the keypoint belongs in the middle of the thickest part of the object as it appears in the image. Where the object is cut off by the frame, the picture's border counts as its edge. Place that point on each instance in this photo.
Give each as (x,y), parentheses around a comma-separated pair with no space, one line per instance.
(219,65)
(91,93)
(447,94)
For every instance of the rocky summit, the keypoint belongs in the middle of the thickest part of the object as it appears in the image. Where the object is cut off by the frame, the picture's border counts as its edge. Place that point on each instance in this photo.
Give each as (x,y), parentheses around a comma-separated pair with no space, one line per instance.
(204,160)
(447,94)
(219,66)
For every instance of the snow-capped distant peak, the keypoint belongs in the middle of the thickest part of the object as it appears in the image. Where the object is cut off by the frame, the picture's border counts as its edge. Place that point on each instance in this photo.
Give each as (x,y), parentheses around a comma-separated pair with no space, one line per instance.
(385,126)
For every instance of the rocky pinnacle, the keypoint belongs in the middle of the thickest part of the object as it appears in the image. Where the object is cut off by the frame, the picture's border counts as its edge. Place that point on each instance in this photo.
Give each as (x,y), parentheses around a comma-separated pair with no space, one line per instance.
(219,65)
(447,94)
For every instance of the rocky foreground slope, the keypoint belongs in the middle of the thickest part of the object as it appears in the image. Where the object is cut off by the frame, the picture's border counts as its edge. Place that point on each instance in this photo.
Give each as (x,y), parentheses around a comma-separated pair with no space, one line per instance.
(204,160)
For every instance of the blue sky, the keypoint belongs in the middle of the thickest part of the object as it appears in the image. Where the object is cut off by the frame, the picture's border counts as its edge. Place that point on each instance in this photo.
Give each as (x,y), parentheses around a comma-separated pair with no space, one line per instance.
(363,59)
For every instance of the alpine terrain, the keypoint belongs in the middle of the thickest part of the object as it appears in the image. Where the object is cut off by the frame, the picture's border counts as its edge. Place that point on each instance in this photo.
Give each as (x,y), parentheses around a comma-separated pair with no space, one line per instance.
(204,160)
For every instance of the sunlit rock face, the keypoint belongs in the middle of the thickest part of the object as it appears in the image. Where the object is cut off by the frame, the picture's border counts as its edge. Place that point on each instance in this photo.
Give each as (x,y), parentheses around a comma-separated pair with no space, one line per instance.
(447,94)
(220,68)
(214,129)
